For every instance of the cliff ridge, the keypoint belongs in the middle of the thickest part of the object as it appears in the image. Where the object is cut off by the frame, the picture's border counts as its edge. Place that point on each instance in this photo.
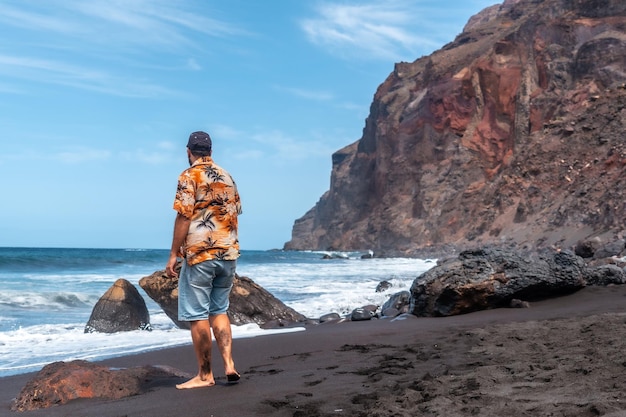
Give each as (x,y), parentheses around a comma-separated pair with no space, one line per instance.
(513,133)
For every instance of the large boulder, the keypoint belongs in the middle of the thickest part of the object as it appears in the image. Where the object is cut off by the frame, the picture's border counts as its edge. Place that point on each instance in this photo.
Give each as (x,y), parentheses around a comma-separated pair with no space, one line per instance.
(60,382)
(120,309)
(164,291)
(489,278)
(249,303)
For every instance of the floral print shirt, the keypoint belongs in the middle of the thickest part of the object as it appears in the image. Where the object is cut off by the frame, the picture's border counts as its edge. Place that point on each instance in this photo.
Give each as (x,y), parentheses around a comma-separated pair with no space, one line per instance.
(207,195)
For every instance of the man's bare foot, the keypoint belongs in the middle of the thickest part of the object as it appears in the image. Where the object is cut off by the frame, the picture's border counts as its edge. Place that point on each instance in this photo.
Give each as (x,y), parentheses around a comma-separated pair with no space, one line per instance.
(197,382)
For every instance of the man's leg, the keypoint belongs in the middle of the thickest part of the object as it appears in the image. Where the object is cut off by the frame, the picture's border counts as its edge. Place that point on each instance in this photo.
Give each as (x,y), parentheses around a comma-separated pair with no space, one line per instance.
(224,338)
(201,338)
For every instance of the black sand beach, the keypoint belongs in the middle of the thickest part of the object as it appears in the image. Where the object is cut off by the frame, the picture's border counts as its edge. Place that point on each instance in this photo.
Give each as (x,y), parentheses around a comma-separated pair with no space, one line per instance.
(560,357)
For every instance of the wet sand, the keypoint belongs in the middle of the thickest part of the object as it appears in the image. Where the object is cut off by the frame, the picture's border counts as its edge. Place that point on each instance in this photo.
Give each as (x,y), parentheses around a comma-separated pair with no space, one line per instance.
(561,357)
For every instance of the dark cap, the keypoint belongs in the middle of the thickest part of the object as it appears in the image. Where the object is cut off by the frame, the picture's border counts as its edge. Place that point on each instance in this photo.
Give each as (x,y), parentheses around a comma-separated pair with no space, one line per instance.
(199,141)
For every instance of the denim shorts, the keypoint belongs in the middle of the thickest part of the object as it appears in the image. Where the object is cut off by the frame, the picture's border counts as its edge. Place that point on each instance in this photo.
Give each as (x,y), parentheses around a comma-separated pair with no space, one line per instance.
(204,288)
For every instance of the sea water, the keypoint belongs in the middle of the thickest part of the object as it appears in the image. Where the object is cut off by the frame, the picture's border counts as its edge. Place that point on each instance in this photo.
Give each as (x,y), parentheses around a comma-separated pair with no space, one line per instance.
(47,295)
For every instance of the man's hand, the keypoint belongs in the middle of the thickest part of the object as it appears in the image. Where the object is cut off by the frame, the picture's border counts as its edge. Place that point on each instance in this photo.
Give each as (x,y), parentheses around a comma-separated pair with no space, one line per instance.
(171,264)
(181,228)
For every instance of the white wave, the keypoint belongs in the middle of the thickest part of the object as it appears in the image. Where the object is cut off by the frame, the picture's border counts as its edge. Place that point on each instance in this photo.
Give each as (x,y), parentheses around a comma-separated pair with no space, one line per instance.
(82,278)
(345,297)
(337,286)
(29,349)
(46,300)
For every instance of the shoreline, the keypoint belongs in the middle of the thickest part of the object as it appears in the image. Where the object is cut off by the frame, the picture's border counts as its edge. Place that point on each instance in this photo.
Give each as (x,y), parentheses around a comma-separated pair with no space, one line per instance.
(384,367)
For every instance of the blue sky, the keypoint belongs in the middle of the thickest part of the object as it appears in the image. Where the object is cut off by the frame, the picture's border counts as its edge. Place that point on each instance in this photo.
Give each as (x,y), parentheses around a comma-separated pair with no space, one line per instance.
(98,99)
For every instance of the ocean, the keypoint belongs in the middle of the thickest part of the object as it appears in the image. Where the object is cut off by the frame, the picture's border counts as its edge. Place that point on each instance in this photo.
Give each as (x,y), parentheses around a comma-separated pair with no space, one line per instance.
(48,294)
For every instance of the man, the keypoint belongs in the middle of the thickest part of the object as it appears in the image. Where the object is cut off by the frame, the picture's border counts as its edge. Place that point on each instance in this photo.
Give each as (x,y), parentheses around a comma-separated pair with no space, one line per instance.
(205,236)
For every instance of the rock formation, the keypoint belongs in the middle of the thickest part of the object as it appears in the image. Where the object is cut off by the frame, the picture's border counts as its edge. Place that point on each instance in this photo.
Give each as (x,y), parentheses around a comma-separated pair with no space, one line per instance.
(512,133)
(60,382)
(488,278)
(164,291)
(120,309)
(249,303)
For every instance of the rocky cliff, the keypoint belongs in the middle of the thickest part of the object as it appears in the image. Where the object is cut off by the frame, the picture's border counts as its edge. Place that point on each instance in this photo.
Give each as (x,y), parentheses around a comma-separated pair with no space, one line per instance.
(515,132)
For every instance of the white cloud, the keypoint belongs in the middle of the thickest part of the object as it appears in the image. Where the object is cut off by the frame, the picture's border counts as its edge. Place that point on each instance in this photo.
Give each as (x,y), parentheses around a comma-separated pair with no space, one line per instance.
(386,29)
(81,155)
(307,94)
(249,155)
(193,65)
(147,157)
(148,23)
(11,89)
(29,19)
(108,47)
(225,132)
(284,147)
(81,77)
(271,145)
(167,145)
(164,152)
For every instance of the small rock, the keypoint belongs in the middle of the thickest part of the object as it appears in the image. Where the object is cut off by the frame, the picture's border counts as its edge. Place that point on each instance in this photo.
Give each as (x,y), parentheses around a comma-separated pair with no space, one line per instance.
(361,314)
(516,303)
(383,286)
(329,317)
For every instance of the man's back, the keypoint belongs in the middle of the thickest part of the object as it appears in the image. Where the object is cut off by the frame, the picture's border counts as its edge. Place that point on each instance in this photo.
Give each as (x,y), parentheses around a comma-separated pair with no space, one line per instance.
(207,195)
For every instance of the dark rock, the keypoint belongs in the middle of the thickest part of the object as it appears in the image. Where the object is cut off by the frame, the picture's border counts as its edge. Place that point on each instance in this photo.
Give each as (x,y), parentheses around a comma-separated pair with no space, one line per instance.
(489,278)
(363,313)
(398,303)
(249,303)
(587,248)
(329,317)
(390,312)
(614,248)
(335,255)
(613,260)
(371,308)
(515,303)
(164,291)
(280,323)
(120,309)
(511,133)
(383,286)
(606,275)
(60,382)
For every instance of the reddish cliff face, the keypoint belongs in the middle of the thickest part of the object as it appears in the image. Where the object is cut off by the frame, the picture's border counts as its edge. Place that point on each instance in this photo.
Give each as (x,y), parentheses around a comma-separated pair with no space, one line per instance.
(513,133)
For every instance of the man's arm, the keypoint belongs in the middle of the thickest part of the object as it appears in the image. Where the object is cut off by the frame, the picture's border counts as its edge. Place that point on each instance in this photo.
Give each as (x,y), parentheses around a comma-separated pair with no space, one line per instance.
(181,228)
